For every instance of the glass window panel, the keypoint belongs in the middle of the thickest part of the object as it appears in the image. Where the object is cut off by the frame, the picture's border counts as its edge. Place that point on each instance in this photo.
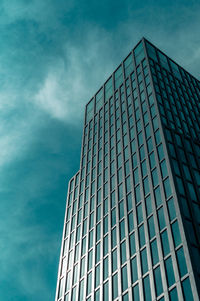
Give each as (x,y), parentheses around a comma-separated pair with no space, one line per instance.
(142,236)
(68,282)
(105,225)
(173,296)
(128,184)
(169,271)
(122,229)
(98,252)
(192,191)
(151,51)
(97,275)
(144,261)
(106,291)
(137,194)
(176,234)
(155,177)
(128,65)
(158,196)
(136,293)
(90,259)
(65,245)
(61,288)
(118,77)
(64,266)
(81,290)
(148,205)
(114,260)
(99,197)
(171,209)
(181,262)
(134,160)
(113,238)
(147,289)
(82,266)
(148,131)
(108,89)
(120,191)
(152,160)
(158,281)
(124,278)
(164,169)
(133,146)
(115,286)
(99,100)
(154,252)
(129,202)
(146,186)
(83,246)
(105,268)
(139,53)
(167,188)
(180,186)
(96,295)
(98,231)
(161,218)
(142,153)
(136,176)
(113,217)
(121,209)
(163,61)
(139,213)
(187,289)
(70,259)
(165,243)
(130,222)
(105,207)
(151,227)
(77,251)
(132,244)
(89,283)
(150,145)
(160,152)
(92,203)
(91,220)
(127,169)
(123,252)
(105,245)
(75,276)
(144,168)
(134,272)
(112,199)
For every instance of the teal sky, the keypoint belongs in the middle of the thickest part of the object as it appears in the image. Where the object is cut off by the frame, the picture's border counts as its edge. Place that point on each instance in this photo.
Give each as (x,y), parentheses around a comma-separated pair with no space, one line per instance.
(54,55)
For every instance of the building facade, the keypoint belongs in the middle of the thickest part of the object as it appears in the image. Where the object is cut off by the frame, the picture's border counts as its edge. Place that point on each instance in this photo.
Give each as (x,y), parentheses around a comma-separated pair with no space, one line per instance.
(131,229)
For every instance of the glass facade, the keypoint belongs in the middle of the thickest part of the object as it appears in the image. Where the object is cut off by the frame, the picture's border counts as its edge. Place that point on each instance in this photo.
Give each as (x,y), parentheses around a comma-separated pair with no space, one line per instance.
(131,229)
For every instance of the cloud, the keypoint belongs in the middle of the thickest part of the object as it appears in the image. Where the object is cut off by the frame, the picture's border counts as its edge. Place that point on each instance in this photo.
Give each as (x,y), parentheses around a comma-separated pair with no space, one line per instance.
(73,79)
(14,139)
(46,13)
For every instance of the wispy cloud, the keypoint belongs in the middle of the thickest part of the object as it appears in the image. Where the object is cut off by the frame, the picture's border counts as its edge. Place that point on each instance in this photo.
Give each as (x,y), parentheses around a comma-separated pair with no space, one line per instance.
(46,13)
(14,138)
(72,80)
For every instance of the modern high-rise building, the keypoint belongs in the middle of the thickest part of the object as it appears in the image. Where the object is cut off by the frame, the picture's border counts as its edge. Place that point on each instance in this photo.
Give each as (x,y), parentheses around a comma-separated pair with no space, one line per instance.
(131,229)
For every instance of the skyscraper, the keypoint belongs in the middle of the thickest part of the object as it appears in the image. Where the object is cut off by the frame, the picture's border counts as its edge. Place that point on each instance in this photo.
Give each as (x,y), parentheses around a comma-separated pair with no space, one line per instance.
(131,229)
